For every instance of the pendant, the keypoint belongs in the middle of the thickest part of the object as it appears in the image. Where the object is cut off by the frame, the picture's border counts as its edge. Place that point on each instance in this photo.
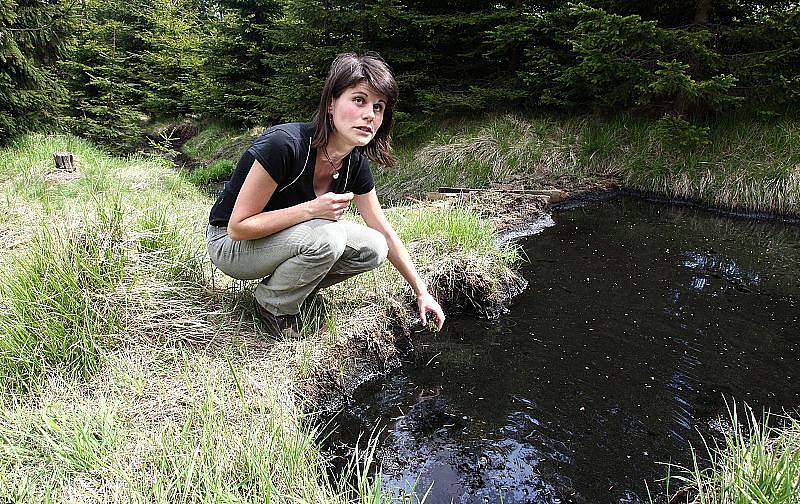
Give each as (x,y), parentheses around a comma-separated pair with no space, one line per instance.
(335,175)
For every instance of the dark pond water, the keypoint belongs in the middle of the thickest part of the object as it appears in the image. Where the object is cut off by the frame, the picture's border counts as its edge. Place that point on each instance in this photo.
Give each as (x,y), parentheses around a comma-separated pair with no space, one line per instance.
(639,321)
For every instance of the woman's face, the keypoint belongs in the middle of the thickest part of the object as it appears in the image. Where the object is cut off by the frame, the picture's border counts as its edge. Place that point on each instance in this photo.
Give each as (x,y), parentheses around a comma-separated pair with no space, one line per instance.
(357,114)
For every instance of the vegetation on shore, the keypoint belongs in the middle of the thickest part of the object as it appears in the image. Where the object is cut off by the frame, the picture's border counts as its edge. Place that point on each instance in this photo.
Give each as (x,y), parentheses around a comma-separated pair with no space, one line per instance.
(134,372)
(758,462)
(745,164)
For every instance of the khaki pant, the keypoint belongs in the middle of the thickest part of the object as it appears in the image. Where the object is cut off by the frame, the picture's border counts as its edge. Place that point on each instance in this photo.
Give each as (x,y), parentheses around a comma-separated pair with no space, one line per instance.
(296,261)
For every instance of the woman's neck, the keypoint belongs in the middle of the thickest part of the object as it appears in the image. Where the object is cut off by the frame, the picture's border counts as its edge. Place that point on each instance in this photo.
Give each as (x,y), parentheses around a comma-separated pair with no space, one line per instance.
(336,149)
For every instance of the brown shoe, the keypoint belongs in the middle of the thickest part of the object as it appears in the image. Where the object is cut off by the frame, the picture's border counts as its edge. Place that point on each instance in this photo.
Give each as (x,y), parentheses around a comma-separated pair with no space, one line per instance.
(281,327)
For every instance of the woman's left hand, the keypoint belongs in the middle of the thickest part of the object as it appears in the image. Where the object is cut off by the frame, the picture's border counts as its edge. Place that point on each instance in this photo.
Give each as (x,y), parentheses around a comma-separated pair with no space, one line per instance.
(427,303)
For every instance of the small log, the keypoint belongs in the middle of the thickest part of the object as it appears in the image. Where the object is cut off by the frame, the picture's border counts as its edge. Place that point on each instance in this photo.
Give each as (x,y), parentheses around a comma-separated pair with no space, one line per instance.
(553,195)
(434,196)
(65,161)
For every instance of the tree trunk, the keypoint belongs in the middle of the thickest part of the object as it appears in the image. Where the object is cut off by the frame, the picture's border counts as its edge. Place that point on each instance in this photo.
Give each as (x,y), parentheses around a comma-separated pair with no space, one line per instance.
(65,161)
(702,11)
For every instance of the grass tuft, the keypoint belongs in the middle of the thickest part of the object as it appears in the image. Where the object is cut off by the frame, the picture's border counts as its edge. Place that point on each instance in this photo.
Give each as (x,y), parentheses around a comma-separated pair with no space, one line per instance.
(758,463)
(58,300)
(217,171)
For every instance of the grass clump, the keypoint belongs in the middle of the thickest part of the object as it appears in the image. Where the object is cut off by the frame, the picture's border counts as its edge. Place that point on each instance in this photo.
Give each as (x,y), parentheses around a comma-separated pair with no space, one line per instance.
(458,254)
(164,250)
(219,141)
(757,463)
(59,304)
(217,171)
(451,229)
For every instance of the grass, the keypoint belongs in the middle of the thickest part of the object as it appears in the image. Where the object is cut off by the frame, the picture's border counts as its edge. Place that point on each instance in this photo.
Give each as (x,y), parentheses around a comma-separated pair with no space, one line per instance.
(218,141)
(199,431)
(58,311)
(132,371)
(218,171)
(738,163)
(757,463)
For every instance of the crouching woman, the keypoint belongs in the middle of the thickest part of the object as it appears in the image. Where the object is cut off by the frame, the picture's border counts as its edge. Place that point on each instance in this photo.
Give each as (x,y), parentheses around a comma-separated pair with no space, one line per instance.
(278,218)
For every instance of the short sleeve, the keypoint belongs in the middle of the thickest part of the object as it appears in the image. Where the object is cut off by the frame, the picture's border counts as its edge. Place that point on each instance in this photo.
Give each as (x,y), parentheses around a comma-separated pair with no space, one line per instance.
(363,182)
(275,151)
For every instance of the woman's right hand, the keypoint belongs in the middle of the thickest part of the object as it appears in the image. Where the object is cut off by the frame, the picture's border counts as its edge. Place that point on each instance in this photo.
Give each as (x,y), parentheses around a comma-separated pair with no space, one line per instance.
(330,205)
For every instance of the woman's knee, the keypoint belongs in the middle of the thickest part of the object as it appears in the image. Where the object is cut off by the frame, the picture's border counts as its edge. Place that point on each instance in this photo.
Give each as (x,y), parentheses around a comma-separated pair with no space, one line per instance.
(326,241)
(375,250)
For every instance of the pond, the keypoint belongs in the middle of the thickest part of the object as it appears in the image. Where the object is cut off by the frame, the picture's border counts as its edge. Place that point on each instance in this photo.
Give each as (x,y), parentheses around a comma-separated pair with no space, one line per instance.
(640,324)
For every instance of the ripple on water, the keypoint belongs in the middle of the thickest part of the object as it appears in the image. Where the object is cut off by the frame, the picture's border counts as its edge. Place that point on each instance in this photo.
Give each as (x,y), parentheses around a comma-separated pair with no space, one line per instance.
(639,322)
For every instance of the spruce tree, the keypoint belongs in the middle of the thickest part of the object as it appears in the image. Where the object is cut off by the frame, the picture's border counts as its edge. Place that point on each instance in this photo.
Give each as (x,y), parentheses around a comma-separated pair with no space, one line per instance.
(33,35)
(104,73)
(237,62)
(174,32)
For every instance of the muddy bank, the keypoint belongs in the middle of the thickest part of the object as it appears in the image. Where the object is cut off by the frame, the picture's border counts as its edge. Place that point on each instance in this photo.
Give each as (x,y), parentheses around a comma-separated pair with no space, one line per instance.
(788,218)
(369,353)
(463,285)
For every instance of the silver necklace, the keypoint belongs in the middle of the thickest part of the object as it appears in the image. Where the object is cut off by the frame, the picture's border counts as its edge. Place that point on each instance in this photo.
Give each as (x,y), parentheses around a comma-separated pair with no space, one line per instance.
(336,169)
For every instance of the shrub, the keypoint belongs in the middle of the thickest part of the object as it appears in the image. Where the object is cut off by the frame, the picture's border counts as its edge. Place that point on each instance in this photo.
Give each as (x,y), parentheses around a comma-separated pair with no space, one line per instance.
(676,133)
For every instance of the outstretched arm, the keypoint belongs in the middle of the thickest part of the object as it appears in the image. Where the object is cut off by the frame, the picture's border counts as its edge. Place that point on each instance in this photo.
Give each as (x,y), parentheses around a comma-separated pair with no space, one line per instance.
(372,213)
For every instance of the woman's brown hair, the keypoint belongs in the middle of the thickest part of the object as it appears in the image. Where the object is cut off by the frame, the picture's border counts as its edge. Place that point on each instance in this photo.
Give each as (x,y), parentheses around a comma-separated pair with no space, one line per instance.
(347,70)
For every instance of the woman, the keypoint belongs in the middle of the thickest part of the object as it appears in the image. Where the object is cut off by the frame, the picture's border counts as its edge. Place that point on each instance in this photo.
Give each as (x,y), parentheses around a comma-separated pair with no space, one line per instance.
(278,216)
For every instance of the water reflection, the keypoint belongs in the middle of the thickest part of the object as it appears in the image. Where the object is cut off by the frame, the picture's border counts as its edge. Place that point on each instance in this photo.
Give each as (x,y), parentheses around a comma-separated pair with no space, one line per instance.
(713,266)
(609,363)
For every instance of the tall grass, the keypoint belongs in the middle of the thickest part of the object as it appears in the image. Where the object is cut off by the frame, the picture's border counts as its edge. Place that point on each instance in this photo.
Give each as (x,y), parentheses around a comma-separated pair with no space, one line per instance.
(59,301)
(207,433)
(218,171)
(453,229)
(738,163)
(218,141)
(758,463)
(43,449)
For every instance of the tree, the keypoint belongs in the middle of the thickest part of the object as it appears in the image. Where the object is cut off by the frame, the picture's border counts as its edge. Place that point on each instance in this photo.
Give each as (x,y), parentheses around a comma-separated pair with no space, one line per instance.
(103,73)
(237,62)
(33,35)
(173,35)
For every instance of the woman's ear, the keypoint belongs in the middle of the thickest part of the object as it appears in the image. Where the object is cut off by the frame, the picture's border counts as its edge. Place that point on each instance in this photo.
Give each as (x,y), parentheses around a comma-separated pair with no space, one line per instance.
(330,105)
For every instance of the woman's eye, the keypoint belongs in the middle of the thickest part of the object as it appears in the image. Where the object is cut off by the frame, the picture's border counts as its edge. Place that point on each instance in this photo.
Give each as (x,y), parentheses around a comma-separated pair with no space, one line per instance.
(378,107)
(359,99)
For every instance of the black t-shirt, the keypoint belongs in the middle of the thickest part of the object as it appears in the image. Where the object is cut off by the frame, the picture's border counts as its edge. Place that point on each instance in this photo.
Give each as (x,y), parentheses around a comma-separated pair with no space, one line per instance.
(286,153)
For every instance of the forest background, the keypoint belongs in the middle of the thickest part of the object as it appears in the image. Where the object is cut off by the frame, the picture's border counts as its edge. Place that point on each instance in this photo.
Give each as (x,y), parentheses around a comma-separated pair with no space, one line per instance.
(103,68)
